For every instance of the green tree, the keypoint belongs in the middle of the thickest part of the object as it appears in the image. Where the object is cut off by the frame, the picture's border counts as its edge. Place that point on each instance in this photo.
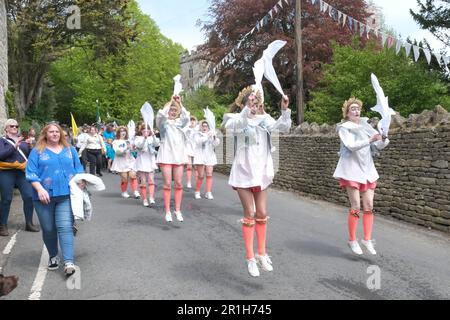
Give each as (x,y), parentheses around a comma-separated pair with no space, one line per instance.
(206,97)
(38,35)
(434,16)
(411,87)
(143,71)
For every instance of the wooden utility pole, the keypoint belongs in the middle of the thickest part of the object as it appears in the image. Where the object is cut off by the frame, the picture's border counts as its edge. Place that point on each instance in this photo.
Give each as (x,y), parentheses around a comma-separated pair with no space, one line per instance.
(299,53)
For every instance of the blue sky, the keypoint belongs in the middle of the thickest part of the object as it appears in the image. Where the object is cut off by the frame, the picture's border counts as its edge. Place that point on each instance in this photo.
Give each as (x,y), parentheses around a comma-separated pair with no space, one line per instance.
(177,19)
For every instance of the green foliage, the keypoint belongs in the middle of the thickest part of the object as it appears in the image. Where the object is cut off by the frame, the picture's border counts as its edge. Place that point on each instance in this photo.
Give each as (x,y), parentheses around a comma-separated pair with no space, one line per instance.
(203,97)
(121,82)
(410,86)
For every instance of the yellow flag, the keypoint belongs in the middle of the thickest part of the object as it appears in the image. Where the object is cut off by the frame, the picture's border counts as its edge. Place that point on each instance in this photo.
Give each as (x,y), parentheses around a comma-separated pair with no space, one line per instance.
(74,126)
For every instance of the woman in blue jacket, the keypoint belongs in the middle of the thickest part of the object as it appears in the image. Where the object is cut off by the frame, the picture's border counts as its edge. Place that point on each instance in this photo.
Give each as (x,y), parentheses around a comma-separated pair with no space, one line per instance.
(51,166)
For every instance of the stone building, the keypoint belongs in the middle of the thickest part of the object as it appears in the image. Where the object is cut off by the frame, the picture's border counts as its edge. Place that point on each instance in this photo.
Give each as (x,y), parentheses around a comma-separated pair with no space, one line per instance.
(193,68)
(3,62)
(375,20)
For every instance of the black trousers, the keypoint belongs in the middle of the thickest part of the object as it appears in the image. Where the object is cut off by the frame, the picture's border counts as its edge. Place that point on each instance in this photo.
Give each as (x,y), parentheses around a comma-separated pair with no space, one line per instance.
(95,160)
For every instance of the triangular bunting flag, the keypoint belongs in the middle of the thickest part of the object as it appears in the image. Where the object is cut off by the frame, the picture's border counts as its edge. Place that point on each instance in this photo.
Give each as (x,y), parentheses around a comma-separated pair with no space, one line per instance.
(350,23)
(390,42)
(339,15)
(321,5)
(408,47)
(280,3)
(271,13)
(344,19)
(399,46)
(330,9)
(325,6)
(258,26)
(287,2)
(438,58)
(383,39)
(261,23)
(375,32)
(427,55)
(275,9)
(362,29)
(416,50)
(313,2)
(446,60)
(368,29)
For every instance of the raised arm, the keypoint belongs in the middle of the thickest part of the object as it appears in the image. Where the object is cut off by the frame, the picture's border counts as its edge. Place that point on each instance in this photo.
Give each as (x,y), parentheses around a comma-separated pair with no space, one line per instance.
(238,122)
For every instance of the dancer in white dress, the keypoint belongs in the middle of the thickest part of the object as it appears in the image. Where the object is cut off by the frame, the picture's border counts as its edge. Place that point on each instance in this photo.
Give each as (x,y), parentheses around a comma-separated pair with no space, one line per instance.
(205,158)
(172,152)
(146,142)
(252,171)
(124,162)
(190,146)
(356,170)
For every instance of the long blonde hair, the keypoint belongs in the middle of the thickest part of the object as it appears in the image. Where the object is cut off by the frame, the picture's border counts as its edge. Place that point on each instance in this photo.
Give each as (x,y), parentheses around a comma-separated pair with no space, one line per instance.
(41,143)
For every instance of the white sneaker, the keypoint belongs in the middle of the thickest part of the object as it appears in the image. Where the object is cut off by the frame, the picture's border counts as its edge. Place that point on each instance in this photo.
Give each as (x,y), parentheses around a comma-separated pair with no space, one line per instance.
(152,201)
(137,195)
(264,262)
(197,195)
(253,267)
(69,268)
(369,246)
(179,216)
(125,195)
(146,203)
(189,185)
(354,245)
(209,196)
(168,217)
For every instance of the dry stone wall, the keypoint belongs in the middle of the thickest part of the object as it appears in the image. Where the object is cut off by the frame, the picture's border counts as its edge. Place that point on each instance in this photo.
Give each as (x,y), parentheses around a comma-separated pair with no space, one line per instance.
(414,169)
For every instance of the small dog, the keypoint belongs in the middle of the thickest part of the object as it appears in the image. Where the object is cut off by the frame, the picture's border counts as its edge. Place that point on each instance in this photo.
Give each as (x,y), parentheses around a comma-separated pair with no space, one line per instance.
(8,284)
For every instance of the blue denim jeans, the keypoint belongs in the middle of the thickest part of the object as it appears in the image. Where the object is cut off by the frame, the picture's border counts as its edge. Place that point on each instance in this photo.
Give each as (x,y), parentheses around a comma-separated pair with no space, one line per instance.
(56,221)
(8,180)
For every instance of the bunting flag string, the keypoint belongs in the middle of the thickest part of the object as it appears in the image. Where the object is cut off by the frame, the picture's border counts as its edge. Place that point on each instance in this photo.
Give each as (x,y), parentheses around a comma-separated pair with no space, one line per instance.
(340,17)
(229,57)
(386,39)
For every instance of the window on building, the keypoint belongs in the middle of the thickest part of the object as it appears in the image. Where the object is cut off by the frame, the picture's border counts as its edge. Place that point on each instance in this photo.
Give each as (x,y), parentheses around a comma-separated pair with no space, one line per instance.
(191,73)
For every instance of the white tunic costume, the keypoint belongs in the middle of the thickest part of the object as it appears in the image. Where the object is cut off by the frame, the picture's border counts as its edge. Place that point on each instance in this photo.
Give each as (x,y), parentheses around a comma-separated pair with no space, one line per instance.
(356,161)
(204,153)
(253,164)
(173,140)
(123,160)
(190,144)
(146,158)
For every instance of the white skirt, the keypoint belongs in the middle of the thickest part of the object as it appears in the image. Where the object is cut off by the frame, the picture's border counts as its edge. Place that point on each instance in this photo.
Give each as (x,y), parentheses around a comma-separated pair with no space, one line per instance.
(125,163)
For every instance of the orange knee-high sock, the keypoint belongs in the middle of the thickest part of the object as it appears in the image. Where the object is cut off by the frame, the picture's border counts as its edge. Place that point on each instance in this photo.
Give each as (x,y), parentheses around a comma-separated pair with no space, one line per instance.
(188,175)
(166,196)
(368,225)
(143,192)
(178,197)
(199,182)
(124,186)
(134,184)
(248,229)
(353,217)
(151,190)
(261,232)
(209,182)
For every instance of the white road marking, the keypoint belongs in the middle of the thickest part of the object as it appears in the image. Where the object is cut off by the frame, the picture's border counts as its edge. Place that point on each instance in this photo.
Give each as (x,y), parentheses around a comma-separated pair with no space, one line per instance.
(11,244)
(39,280)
